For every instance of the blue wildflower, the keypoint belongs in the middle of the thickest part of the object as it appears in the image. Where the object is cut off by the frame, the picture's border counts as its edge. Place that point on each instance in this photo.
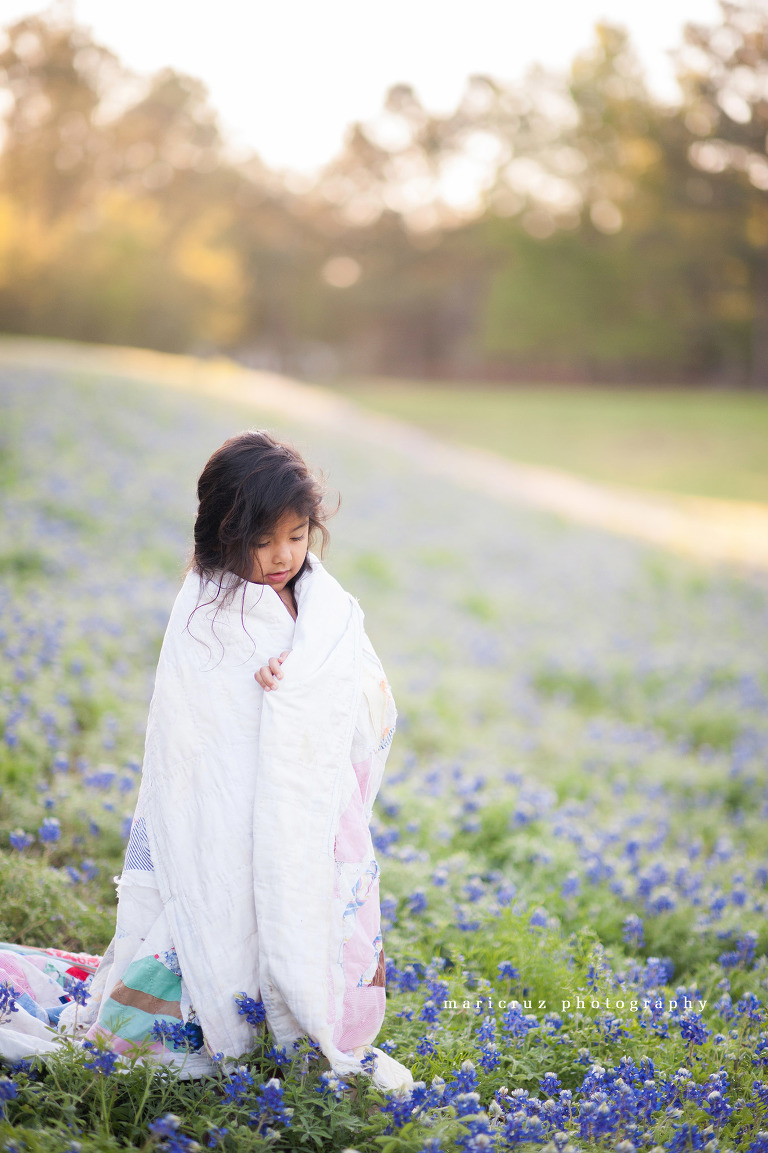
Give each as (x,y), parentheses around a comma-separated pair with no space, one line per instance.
(7,1000)
(687,1137)
(50,830)
(430,1012)
(571,885)
(78,990)
(417,902)
(253,1011)
(330,1082)
(751,1007)
(507,971)
(490,1057)
(165,1131)
(8,1090)
(270,1109)
(549,1084)
(102,1060)
(20,840)
(181,1035)
(633,931)
(237,1084)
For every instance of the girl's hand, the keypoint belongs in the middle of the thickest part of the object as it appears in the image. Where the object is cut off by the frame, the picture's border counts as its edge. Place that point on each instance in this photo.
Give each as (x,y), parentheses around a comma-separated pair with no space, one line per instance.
(269,675)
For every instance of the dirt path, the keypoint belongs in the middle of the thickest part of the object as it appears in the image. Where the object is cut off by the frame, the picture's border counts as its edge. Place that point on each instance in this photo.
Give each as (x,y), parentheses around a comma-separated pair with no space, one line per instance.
(712,530)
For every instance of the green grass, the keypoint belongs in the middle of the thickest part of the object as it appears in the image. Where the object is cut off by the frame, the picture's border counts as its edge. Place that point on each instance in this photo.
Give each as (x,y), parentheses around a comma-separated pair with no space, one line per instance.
(700,443)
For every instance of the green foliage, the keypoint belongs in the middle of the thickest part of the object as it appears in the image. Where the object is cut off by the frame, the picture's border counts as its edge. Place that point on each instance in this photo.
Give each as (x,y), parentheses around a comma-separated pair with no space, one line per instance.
(38,906)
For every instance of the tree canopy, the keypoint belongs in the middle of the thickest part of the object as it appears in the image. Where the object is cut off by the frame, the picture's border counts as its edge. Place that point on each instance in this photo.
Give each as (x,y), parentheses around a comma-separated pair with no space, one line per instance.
(554,227)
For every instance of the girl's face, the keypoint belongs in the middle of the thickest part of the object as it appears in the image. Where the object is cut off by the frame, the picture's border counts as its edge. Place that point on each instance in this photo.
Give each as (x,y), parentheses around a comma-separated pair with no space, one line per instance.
(279,555)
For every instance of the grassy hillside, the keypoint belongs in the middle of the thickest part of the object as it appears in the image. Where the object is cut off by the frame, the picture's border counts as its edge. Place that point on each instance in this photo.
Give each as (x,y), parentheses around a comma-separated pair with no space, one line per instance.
(701,443)
(573,816)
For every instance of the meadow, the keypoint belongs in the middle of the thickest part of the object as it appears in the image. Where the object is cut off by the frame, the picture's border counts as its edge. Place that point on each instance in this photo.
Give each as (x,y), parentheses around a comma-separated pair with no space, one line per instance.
(696,442)
(572,829)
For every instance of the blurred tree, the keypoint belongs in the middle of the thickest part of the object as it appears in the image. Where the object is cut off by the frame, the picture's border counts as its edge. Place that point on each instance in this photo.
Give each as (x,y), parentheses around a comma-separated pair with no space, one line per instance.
(560,226)
(723,71)
(53,147)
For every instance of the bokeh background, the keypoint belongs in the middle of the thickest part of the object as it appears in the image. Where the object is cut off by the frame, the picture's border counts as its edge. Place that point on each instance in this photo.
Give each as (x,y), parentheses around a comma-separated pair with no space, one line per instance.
(569,223)
(564,264)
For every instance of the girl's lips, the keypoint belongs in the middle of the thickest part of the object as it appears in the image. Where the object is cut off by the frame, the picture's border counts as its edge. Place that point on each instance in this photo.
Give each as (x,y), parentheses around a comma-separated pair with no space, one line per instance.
(278,576)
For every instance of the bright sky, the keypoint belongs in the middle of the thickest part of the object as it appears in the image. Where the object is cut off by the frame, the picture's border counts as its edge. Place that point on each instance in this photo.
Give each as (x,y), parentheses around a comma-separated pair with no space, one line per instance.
(287,76)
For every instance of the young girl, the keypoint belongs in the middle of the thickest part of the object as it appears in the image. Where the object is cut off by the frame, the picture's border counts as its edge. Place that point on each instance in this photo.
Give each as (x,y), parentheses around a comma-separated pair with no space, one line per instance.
(250,868)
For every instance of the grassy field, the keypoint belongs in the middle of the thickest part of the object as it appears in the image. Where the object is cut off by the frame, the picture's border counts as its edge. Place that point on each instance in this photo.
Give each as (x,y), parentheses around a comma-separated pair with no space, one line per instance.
(702,443)
(572,829)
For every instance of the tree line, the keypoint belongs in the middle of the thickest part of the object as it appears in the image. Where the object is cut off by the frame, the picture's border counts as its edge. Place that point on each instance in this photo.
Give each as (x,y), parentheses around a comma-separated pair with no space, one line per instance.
(552,228)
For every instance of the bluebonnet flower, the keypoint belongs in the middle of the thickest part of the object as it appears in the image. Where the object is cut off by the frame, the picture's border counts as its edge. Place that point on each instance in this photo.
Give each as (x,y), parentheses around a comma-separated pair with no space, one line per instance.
(751,1007)
(633,932)
(270,1108)
(405,1105)
(253,1011)
(426,1047)
(463,923)
(743,954)
(417,902)
(100,780)
(474,889)
(490,1057)
(430,1012)
(388,1046)
(507,971)
(759,1143)
(571,885)
(687,1137)
(215,1136)
(408,979)
(760,1053)
(693,1029)
(20,840)
(549,1084)
(165,1126)
(238,1084)
(388,907)
(78,990)
(278,1056)
(186,1036)
(7,1000)
(165,1131)
(8,1090)
(102,1060)
(518,1023)
(717,1106)
(487,1030)
(464,1078)
(330,1082)
(50,830)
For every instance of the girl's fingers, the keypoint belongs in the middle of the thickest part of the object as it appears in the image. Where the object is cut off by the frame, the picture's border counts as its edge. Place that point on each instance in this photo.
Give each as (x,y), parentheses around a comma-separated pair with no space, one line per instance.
(268,675)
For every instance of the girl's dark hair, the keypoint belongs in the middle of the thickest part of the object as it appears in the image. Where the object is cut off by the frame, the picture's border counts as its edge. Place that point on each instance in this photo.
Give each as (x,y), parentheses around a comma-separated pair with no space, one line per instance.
(244,490)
